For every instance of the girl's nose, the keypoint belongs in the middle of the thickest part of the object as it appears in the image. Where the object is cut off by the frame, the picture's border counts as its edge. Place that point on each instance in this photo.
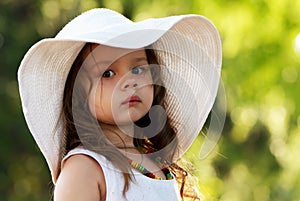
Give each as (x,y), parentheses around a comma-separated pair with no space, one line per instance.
(129,83)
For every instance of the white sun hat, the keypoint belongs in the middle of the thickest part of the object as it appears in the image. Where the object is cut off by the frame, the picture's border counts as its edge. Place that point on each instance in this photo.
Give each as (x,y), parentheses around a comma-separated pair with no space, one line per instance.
(188,46)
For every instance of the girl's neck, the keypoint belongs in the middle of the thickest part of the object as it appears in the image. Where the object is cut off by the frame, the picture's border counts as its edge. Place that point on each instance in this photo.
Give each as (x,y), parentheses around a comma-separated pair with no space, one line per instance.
(119,135)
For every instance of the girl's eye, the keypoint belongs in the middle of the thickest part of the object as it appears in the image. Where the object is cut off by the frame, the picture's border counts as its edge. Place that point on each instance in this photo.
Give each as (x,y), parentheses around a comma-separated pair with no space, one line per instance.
(108,73)
(138,70)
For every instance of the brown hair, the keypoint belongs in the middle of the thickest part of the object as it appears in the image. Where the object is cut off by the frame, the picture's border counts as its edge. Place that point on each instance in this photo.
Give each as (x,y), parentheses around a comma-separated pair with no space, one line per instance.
(78,119)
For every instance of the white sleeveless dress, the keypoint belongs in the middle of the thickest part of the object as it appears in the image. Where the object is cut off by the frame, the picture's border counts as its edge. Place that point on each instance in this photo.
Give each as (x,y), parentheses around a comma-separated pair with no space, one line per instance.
(142,188)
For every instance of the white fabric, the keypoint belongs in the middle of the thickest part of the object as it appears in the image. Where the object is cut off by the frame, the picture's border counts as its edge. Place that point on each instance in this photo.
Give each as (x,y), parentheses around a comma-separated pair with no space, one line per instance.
(142,189)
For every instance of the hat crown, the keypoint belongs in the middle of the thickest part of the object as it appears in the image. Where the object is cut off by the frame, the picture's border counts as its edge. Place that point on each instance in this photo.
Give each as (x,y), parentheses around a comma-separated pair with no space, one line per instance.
(94,20)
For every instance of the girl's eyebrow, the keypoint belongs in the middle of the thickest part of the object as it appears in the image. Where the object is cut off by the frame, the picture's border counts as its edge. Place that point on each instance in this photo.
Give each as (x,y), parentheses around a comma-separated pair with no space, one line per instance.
(109,62)
(106,62)
(138,59)
(101,63)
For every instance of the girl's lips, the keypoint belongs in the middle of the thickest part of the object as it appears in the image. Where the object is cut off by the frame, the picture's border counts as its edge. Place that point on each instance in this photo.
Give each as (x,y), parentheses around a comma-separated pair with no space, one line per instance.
(132,100)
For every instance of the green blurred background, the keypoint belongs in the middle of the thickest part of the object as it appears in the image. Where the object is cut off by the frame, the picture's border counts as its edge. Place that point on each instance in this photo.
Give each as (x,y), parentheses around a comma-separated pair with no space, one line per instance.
(257,156)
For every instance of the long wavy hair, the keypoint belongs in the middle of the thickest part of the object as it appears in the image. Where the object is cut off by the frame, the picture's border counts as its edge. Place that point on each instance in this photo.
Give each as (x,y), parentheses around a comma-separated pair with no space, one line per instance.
(82,128)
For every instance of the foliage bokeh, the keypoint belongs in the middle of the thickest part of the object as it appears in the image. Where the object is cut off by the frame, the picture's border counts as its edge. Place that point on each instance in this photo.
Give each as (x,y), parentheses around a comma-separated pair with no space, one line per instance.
(256,158)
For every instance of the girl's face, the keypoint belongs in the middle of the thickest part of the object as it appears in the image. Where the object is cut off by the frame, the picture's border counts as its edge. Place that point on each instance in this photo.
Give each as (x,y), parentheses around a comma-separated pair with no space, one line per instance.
(121,89)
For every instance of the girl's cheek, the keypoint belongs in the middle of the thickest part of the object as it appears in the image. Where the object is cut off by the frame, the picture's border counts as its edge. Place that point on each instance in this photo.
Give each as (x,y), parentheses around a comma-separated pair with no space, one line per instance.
(94,98)
(149,77)
(149,81)
(145,79)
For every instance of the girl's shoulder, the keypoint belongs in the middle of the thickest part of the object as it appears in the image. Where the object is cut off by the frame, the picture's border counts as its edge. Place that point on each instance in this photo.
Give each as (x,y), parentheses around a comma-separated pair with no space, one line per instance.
(82,176)
(96,158)
(83,166)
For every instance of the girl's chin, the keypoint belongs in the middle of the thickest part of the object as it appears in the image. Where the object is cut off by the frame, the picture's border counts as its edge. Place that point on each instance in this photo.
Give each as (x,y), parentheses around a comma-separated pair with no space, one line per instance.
(123,118)
(130,117)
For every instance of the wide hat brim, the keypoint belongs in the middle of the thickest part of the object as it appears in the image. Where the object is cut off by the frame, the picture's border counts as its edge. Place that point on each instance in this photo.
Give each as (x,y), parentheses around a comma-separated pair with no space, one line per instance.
(188,45)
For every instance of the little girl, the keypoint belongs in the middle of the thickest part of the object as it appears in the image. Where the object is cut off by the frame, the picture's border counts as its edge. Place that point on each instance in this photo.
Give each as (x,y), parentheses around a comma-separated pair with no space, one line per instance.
(113,104)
